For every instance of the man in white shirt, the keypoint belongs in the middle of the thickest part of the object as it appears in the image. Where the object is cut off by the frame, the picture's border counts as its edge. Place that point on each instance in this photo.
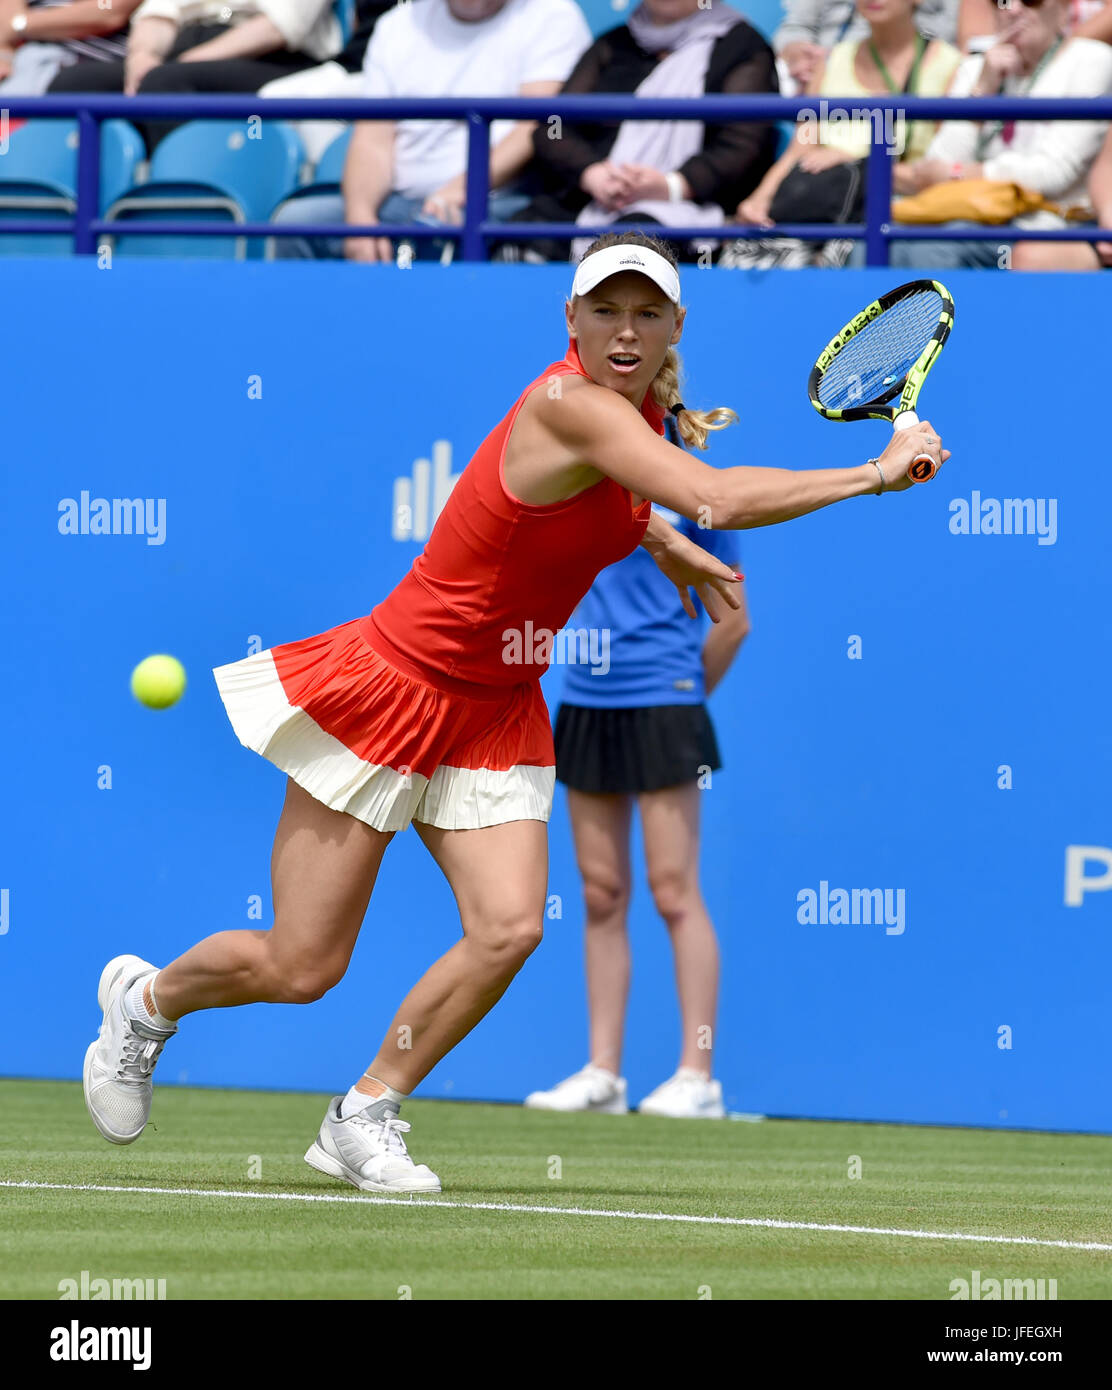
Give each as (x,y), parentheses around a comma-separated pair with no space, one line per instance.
(406,171)
(1031,57)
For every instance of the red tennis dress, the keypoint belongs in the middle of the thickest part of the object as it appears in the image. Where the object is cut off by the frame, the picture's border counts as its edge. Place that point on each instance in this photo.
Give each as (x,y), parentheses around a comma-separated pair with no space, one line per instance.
(430,707)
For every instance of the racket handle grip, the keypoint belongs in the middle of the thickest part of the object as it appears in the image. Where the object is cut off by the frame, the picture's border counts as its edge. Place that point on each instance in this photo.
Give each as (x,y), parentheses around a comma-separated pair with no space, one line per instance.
(923,467)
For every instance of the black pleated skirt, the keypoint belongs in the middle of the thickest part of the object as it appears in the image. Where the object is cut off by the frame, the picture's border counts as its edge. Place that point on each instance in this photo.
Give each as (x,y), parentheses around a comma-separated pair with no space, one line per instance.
(633,750)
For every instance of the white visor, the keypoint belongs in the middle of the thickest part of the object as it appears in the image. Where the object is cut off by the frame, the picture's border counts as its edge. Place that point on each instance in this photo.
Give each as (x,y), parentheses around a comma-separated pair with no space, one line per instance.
(612,260)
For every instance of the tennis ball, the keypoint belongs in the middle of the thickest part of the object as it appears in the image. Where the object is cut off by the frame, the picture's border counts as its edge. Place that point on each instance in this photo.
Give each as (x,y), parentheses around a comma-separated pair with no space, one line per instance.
(158,682)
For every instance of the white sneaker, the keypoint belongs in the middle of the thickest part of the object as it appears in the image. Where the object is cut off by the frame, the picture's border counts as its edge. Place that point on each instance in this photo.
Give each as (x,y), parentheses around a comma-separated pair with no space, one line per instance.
(593,1088)
(688,1095)
(118,1065)
(368,1151)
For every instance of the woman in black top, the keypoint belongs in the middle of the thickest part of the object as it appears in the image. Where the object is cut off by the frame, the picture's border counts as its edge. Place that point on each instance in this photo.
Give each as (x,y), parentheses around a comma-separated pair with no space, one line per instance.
(671,172)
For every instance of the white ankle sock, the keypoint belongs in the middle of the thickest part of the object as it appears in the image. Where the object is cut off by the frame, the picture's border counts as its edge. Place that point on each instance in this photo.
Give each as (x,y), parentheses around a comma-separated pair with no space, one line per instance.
(135,1005)
(355,1100)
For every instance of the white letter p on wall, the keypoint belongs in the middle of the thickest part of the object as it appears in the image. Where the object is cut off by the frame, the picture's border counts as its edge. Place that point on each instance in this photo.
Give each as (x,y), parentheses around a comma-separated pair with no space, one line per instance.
(1078,883)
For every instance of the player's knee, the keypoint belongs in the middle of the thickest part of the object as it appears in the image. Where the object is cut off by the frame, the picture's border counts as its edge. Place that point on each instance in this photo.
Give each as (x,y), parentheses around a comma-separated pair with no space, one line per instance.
(521,937)
(507,943)
(298,979)
(673,894)
(308,985)
(604,897)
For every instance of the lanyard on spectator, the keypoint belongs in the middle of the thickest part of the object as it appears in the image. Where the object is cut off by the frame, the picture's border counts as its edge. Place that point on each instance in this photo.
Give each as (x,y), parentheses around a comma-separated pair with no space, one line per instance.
(912,76)
(986,137)
(851,15)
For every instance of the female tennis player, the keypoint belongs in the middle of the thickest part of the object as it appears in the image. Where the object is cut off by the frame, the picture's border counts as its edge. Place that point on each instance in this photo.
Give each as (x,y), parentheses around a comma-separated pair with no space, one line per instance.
(429,709)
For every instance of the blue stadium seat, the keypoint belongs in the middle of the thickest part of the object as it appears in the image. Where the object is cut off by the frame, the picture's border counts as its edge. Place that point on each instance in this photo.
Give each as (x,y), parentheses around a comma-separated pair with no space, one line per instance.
(326,179)
(330,166)
(211,171)
(38,178)
(765,15)
(605,14)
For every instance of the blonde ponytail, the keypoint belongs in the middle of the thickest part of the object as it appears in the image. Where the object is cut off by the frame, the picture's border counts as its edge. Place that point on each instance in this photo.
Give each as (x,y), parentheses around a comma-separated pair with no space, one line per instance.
(693,425)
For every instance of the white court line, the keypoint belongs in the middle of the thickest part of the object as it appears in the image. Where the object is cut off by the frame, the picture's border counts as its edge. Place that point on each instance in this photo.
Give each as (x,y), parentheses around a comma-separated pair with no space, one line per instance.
(420,1201)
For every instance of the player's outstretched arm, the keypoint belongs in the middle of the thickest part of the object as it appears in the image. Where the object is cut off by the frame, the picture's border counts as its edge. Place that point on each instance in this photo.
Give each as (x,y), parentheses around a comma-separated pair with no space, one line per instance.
(606,432)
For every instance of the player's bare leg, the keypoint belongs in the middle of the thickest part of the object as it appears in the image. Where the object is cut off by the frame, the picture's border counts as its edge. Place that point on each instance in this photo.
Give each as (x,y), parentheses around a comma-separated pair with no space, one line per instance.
(499,876)
(670,825)
(600,828)
(323,869)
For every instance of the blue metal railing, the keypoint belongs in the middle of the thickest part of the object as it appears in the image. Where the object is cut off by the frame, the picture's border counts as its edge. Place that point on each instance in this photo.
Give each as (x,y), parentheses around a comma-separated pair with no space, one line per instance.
(477,231)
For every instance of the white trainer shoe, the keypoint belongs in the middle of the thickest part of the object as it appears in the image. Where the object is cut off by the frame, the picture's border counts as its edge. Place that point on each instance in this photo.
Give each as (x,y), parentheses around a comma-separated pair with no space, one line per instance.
(368,1151)
(593,1088)
(118,1065)
(688,1095)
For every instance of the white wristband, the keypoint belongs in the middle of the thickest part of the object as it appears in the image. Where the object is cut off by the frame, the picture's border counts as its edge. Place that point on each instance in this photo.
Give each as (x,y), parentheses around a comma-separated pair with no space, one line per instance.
(675,187)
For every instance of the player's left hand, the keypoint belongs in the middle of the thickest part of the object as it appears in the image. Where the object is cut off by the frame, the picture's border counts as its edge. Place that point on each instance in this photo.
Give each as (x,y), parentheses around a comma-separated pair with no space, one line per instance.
(689,567)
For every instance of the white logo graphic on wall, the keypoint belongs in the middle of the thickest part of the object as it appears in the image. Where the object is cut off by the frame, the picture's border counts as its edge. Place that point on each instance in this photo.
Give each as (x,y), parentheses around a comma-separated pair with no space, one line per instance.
(420,498)
(1088,870)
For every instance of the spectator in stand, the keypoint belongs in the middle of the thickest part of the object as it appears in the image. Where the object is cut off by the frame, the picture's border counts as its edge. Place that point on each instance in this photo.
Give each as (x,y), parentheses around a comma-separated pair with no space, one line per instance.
(341,76)
(1077,255)
(1085,19)
(671,172)
(639,736)
(892,56)
(184,46)
(1031,57)
(39,39)
(812,28)
(405,171)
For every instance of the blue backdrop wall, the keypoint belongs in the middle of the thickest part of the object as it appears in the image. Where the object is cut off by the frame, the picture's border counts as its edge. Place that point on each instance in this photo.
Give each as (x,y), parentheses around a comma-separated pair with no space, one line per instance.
(920,708)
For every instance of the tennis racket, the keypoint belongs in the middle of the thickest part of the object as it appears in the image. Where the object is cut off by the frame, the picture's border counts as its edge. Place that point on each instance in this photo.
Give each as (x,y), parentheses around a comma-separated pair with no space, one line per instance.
(883,353)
